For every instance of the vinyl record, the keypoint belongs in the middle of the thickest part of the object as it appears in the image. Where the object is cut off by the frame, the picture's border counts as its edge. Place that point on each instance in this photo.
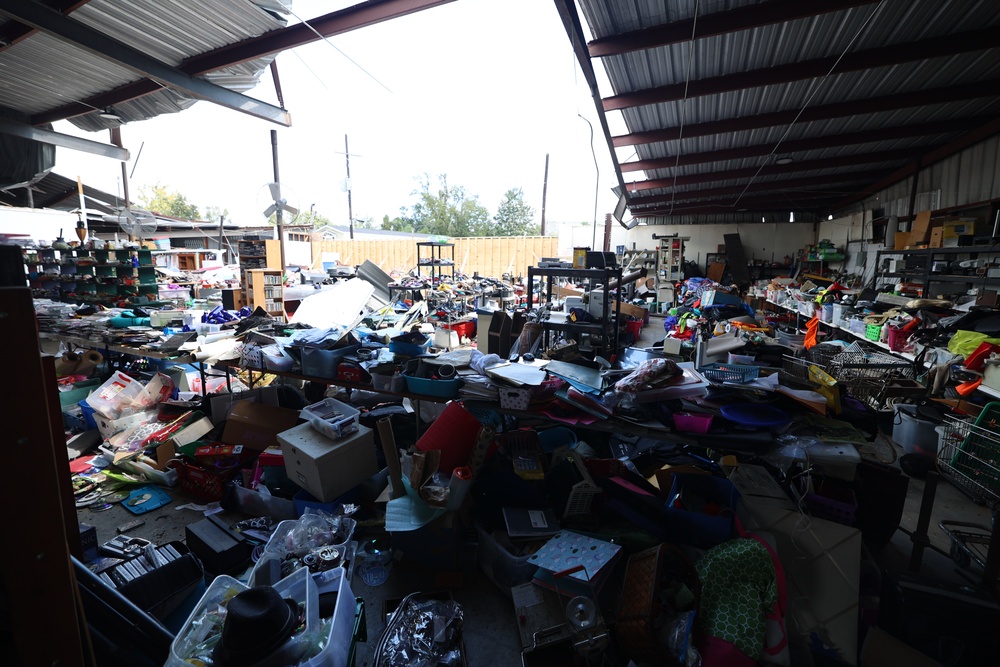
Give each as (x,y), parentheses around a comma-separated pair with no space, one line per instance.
(100,507)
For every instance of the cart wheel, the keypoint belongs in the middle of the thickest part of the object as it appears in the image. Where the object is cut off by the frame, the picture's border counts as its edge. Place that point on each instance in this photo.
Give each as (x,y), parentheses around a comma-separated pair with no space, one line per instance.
(960,556)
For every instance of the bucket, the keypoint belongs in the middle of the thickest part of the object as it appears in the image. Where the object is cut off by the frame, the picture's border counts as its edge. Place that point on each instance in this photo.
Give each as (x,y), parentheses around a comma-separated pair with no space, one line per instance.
(634,327)
(897,339)
(913,434)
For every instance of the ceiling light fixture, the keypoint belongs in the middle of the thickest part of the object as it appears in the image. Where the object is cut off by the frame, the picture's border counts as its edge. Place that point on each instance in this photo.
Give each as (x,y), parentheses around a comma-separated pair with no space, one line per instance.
(783,160)
(109,114)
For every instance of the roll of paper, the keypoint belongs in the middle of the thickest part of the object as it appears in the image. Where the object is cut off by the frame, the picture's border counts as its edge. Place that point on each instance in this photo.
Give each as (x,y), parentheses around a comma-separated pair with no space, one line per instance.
(461,482)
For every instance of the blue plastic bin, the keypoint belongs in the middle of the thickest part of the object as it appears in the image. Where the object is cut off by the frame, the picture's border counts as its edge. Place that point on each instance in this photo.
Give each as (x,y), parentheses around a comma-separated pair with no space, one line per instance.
(88,415)
(428,387)
(408,349)
(689,526)
(320,363)
(552,439)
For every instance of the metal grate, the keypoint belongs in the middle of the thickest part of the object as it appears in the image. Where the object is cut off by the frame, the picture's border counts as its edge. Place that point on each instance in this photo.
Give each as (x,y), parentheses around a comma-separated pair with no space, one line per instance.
(969,456)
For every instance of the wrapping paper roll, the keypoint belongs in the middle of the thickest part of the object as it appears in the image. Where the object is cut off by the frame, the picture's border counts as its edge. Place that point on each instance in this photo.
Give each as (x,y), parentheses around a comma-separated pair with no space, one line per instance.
(215,337)
(461,482)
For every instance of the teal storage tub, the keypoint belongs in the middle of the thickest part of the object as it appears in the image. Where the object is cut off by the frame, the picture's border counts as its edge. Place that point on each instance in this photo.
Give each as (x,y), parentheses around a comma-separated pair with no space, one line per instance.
(428,387)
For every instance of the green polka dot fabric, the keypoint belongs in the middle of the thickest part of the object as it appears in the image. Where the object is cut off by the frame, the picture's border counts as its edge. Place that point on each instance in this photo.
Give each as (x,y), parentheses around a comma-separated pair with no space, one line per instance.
(738,587)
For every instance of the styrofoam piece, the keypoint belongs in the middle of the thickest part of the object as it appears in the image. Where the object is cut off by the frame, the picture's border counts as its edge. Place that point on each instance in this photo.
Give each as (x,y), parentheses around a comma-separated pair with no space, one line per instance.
(839,461)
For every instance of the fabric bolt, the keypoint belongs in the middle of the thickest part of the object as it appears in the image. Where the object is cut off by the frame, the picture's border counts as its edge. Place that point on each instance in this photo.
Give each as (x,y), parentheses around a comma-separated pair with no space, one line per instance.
(739,587)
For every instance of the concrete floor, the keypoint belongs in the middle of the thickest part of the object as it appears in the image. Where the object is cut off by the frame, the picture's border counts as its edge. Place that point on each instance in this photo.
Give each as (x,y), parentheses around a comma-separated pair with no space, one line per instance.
(491,634)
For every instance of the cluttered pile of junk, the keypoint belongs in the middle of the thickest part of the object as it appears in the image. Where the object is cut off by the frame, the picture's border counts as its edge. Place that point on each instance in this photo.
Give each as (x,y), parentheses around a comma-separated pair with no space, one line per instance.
(708,500)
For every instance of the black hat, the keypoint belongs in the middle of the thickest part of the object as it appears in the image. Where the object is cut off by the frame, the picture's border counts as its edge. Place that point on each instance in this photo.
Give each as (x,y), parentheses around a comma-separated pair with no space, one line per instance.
(258,622)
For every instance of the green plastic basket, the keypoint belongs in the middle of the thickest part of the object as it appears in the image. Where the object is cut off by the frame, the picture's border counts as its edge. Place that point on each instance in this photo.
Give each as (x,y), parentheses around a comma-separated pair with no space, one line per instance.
(873,331)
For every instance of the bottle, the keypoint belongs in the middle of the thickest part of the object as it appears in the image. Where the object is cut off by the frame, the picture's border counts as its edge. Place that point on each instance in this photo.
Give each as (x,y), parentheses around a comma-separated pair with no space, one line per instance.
(135,261)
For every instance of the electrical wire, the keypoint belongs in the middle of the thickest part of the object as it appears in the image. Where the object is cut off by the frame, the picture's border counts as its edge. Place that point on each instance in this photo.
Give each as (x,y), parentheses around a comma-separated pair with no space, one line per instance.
(684,99)
(813,90)
(597,183)
(288,9)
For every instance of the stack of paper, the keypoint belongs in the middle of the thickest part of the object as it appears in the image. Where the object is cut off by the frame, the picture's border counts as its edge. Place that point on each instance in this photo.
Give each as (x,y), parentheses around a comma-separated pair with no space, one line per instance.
(478,388)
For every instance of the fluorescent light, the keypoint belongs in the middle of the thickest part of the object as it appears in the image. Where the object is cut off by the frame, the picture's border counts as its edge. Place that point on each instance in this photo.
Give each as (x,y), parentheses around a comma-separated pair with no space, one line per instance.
(783,160)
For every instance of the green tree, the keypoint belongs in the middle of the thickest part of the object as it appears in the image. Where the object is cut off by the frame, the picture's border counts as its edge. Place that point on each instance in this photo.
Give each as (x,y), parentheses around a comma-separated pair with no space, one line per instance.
(400,223)
(310,218)
(449,211)
(213,213)
(365,223)
(514,217)
(159,199)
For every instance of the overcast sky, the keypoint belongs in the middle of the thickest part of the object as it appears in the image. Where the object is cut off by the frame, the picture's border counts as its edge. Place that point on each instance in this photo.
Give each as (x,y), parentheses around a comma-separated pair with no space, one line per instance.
(479,90)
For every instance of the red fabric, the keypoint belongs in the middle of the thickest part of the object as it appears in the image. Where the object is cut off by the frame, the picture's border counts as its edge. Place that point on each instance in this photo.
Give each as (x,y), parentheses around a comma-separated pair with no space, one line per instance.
(717,652)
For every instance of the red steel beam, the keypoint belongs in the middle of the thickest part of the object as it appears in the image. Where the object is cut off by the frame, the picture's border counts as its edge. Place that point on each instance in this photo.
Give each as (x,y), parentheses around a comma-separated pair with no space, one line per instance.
(743,18)
(810,143)
(788,184)
(334,23)
(982,132)
(795,167)
(750,203)
(895,54)
(13,32)
(963,91)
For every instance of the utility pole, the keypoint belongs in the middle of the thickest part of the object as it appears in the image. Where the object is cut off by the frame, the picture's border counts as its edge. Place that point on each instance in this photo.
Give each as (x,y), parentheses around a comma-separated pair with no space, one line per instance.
(222,220)
(278,211)
(350,212)
(545,190)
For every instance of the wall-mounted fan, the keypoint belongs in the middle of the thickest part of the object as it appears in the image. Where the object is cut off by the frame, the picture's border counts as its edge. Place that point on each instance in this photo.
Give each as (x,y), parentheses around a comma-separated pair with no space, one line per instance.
(282,200)
(137,223)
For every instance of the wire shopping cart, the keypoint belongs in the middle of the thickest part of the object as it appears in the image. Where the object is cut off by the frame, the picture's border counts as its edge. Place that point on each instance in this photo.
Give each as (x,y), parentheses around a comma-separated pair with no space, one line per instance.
(866,374)
(969,454)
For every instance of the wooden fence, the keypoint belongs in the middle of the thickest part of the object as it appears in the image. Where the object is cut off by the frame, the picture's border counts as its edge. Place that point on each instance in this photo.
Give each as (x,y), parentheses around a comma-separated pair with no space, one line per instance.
(488,256)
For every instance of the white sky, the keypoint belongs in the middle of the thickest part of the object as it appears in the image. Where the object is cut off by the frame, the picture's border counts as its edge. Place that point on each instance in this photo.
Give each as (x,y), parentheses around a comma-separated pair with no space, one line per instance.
(481,91)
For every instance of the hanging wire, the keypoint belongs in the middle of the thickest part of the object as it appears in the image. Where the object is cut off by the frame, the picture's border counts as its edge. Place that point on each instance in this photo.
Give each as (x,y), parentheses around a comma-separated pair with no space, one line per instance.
(306,23)
(813,90)
(680,131)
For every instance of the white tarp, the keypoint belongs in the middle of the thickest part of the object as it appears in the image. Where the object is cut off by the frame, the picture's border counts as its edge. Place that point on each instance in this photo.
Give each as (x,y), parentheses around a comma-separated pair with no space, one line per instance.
(343,305)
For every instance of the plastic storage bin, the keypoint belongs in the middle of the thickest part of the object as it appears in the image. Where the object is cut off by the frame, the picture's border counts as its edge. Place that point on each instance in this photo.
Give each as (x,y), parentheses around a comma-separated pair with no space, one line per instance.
(840,313)
(299,586)
(320,363)
(913,434)
(826,313)
(502,567)
(428,387)
(331,418)
(692,422)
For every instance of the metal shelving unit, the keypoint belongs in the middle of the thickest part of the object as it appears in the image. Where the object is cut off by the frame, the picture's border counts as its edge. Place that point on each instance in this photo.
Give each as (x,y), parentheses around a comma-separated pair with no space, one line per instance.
(920,267)
(432,262)
(606,332)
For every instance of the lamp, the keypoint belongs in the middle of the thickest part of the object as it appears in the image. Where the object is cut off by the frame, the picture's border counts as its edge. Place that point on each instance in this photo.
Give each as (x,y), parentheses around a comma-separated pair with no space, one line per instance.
(109,114)
(783,160)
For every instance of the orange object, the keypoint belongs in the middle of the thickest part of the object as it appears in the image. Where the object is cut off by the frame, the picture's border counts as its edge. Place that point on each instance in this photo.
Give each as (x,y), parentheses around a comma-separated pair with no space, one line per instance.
(812,327)
(967,388)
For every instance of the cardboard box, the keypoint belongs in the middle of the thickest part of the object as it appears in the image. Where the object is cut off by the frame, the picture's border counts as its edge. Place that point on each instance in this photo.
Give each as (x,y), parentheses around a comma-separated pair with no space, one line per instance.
(921,228)
(901,240)
(937,237)
(952,229)
(256,425)
(328,468)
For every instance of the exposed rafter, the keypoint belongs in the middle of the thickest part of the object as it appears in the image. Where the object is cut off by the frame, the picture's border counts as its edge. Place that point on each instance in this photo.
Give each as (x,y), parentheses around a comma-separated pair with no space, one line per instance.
(334,23)
(25,131)
(936,155)
(763,186)
(810,143)
(13,32)
(963,91)
(935,47)
(93,41)
(742,18)
(794,168)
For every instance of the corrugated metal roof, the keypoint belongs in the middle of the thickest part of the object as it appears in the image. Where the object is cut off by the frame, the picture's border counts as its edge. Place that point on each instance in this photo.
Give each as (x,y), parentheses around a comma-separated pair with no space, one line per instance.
(45,72)
(770,42)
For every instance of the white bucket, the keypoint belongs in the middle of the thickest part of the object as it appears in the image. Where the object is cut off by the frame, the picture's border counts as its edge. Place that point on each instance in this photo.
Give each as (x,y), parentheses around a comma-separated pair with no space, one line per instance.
(913,434)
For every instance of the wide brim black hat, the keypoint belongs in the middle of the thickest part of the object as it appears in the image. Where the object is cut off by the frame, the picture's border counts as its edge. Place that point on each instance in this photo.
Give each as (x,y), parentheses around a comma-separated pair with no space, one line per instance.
(242,642)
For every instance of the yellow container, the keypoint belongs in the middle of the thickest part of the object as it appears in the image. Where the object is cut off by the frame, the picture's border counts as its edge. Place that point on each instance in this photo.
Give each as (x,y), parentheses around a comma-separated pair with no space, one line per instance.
(580,258)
